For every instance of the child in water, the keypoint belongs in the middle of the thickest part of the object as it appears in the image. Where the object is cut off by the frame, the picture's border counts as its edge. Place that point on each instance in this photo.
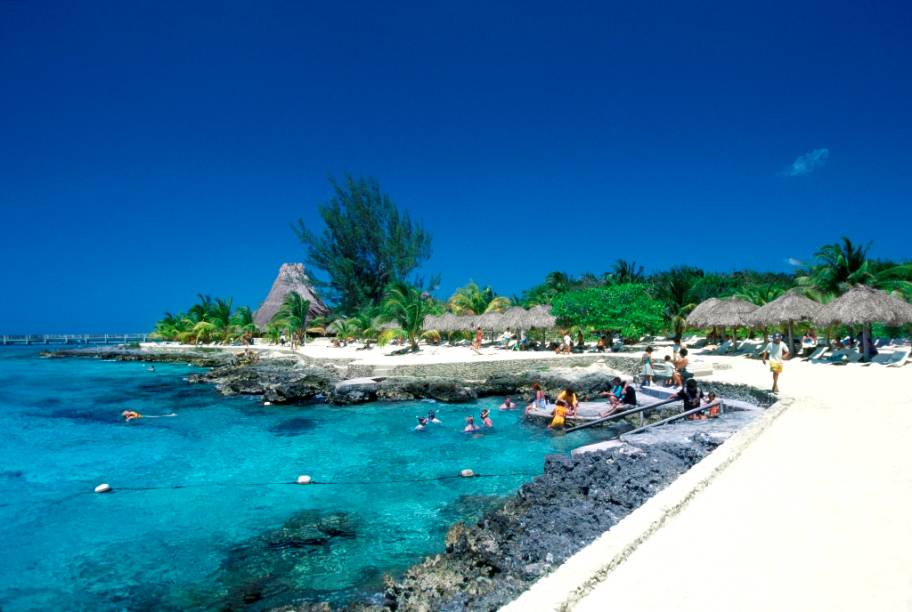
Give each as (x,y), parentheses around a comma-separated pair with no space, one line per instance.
(560,412)
(470,425)
(508,404)
(486,418)
(130,415)
(432,417)
(715,410)
(422,423)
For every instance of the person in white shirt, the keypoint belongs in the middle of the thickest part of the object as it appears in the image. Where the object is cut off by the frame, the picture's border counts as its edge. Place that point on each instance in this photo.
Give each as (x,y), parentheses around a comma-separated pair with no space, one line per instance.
(776,352)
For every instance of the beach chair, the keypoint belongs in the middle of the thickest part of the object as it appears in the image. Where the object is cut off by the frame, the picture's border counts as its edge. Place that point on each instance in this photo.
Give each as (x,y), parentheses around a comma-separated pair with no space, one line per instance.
(817,355)
(900,357)
(849,356)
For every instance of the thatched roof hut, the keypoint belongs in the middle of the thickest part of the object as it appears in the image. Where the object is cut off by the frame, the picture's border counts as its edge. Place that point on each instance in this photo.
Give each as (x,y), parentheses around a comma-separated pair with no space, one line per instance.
(863,305)
(730,312)
(541,317)
(698,316)
(291,277)
(790,307)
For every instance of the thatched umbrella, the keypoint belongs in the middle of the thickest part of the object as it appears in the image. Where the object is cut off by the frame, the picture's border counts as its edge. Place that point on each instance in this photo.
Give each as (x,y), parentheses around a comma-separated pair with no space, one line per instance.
(863,305)
(517,318)
(541,317)
(698,316)
(447,322)
(787,308)
(493,321)
(731,312)
(431,322)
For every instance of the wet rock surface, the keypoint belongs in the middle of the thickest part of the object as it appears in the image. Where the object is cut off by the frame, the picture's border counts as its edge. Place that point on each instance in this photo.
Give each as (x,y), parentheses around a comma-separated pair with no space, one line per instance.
(203,357)
(278,382)
(486,565)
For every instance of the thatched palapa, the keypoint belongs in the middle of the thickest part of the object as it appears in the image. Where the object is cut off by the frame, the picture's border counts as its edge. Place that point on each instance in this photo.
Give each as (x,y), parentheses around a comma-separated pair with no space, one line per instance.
(788,308)
(291,278)
(698,317)
(864,305)
(730,312)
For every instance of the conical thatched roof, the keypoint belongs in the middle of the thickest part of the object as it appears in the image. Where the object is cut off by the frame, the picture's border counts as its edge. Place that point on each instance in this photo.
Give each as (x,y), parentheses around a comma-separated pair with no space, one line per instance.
(431,322)
(698,316)
(862,305)
(730,312)
(787,308)
(541,317)
(493,321)
(517,318)
(291,277)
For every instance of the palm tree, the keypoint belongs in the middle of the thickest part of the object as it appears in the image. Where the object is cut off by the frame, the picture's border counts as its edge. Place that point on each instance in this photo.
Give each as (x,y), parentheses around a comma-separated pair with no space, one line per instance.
(473,300)
(242,325)
(674,288)
(625,271)
(407,306)
(293,315)
(760,294)
(843,264)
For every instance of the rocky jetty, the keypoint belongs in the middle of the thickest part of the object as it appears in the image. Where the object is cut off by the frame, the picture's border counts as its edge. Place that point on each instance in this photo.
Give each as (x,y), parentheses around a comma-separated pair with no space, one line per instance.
(202,357)
(488,564)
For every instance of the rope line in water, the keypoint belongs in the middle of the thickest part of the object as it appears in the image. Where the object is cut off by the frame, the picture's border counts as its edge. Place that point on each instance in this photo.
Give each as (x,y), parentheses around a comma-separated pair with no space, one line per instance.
(321,482)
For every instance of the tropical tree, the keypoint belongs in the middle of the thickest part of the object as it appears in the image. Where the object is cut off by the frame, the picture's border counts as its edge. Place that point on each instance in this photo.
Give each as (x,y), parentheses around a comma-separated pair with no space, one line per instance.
(407,305)
(242,325)
(628,308)
(673,288)
(473,300)
(842,264)
(366,244)
(624,272)
(292,314)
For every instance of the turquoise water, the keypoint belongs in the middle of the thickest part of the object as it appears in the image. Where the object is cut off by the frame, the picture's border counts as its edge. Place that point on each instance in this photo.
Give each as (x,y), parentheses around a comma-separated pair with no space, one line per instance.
(193,520)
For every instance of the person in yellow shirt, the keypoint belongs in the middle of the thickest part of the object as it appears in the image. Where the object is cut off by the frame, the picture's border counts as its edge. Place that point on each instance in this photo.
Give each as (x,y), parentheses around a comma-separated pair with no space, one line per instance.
(569,399)
(559,414)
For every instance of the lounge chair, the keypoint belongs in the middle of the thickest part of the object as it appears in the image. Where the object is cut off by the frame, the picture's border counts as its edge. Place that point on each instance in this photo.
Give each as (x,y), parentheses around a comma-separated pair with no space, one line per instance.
(849,356)
(900,357)
(817,356)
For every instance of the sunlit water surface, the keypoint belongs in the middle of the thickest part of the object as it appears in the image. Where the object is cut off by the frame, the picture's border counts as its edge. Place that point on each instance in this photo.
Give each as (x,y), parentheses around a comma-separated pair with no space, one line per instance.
(196,518)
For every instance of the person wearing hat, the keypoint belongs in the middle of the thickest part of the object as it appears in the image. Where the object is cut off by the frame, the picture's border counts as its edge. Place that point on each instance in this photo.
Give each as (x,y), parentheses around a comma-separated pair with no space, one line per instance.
(776,352)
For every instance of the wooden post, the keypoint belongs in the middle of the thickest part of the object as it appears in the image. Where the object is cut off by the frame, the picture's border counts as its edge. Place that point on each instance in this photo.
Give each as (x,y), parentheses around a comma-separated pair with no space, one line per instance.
(791,346)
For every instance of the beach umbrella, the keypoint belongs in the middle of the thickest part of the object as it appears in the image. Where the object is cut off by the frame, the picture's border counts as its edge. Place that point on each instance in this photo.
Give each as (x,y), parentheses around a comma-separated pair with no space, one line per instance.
(787,308)
(516,318)
(431,322)
(492,321)
(698,316)
(447,322)
(731,312)
(541,317)
(863,305)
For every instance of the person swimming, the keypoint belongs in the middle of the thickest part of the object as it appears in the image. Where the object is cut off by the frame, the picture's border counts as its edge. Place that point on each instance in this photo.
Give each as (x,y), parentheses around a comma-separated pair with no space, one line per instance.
(486,418)
(130,415)
(507,404)
(422,423)
(432,417)
(714,411)
(470,427)
(151,368)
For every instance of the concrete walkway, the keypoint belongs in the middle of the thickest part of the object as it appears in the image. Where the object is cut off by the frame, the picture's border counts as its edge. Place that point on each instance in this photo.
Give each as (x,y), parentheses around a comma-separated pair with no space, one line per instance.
(814,513)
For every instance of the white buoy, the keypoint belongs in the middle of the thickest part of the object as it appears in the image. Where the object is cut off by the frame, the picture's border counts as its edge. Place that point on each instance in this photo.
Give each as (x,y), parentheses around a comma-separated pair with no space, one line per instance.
(103,488)
(267,403)
(304,479)
(467,473)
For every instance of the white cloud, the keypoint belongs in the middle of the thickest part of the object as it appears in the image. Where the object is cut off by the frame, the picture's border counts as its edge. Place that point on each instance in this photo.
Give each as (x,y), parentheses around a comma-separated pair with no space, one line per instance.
(807,163)
(794,262)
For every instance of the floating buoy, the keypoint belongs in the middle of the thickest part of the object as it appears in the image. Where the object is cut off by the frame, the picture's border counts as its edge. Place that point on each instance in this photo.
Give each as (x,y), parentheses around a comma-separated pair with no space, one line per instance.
(304,479)
(267,403)
(467,473)
(103,488)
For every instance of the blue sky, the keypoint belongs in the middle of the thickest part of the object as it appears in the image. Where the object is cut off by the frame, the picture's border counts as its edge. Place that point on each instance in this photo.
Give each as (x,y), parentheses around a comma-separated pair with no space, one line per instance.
(153,151)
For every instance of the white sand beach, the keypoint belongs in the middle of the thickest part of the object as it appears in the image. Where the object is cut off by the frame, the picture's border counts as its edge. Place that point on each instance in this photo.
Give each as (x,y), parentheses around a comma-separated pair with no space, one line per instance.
(811,514)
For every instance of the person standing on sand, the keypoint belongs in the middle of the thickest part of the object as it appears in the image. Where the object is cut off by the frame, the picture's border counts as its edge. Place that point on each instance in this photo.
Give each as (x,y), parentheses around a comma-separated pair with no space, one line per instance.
(478,336)
(648,372)
(776,352)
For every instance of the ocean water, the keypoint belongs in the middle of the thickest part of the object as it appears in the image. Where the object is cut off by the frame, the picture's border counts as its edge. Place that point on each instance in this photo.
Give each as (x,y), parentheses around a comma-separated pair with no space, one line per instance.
(202,515)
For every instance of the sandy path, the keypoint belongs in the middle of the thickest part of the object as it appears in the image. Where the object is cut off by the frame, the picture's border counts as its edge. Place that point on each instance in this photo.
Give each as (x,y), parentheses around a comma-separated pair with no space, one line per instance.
(816,514)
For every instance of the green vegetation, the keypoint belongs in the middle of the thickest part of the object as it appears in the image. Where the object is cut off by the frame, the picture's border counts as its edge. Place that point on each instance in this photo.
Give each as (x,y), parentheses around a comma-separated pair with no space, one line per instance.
(292,315)
(209,320)
(627,308)
(376,304)
(473,300)
(366,245)
(407,306)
